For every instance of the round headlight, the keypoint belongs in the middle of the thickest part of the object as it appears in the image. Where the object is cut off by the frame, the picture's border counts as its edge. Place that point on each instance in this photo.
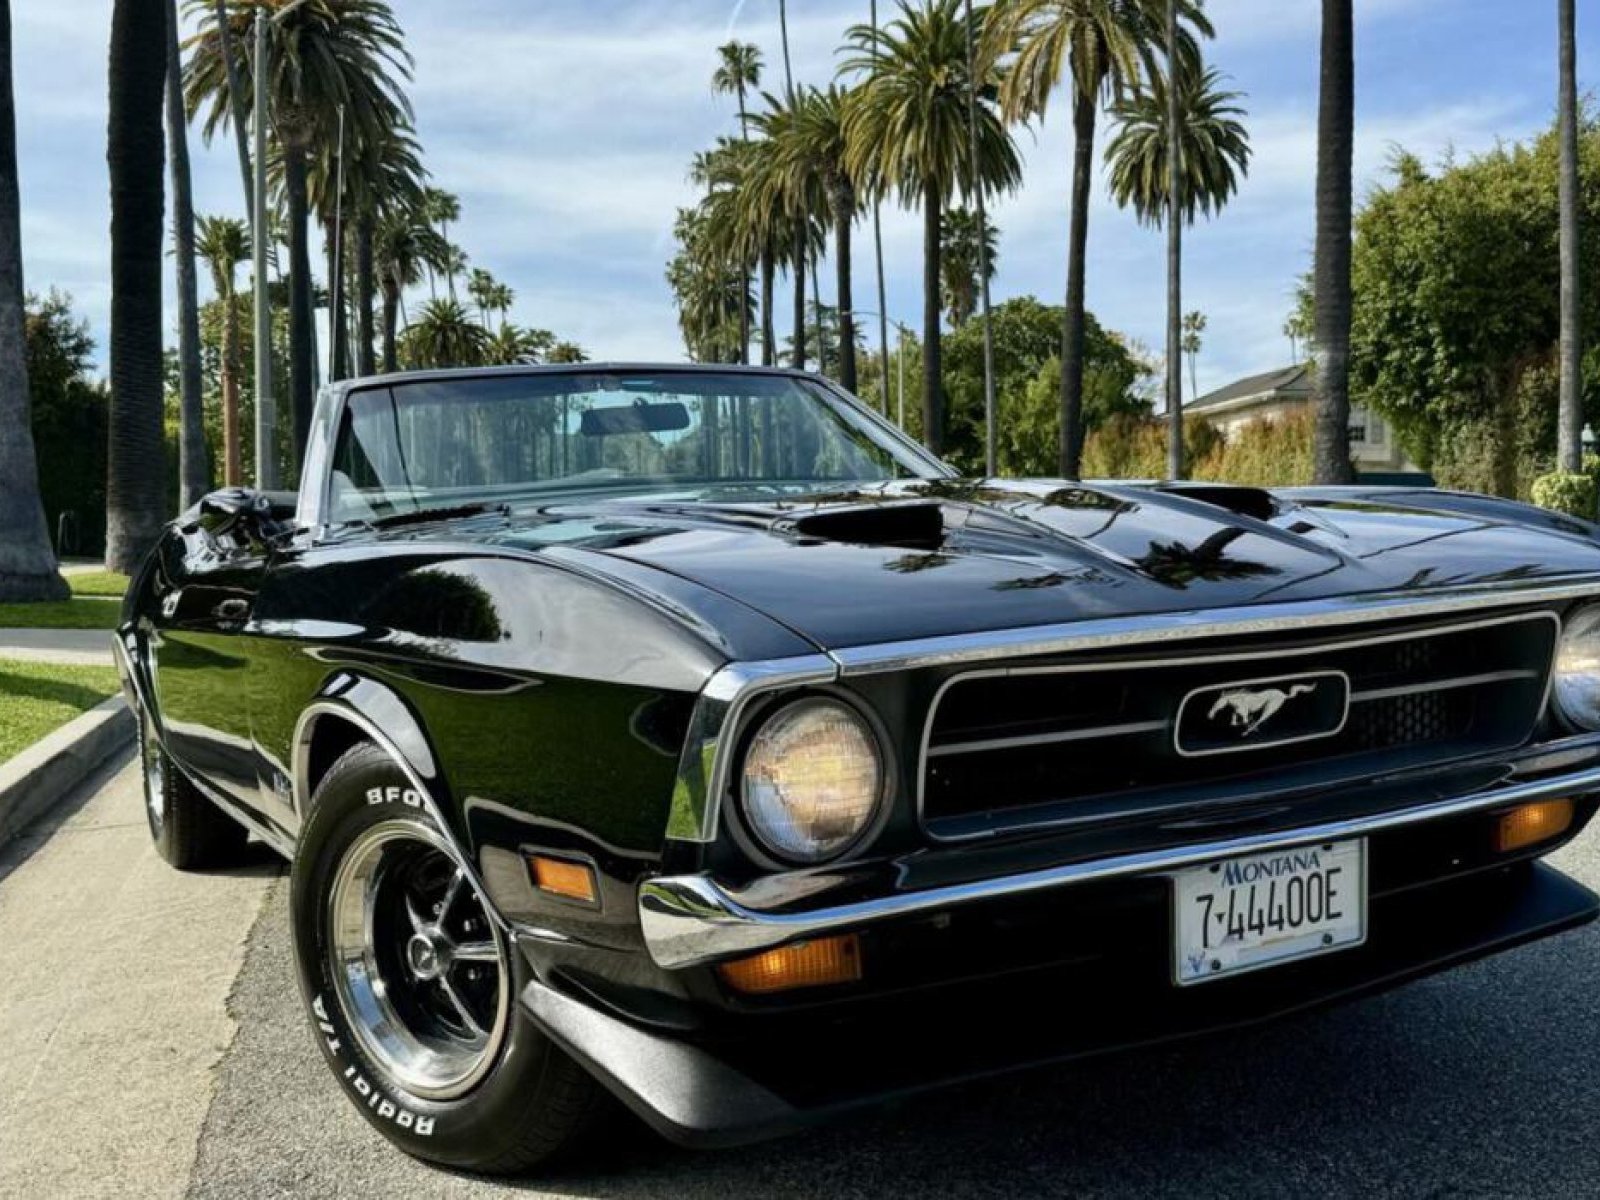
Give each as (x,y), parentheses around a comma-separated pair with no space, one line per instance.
(812,781)
(1577,672)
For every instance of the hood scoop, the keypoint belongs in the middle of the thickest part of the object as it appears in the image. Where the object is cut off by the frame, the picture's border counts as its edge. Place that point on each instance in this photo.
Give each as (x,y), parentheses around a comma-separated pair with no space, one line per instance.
(1245,501)
(911,526)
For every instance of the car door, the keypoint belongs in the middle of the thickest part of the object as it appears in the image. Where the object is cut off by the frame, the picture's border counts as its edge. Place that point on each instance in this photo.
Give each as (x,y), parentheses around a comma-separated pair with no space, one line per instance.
(202,654)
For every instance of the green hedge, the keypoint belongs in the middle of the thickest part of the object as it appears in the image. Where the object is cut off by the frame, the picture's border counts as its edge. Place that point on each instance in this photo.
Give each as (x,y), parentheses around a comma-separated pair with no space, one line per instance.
(1567,492)
(1266,453)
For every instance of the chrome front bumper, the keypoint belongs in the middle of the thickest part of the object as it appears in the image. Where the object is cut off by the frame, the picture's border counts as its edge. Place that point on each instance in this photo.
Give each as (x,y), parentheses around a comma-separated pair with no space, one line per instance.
(688,920)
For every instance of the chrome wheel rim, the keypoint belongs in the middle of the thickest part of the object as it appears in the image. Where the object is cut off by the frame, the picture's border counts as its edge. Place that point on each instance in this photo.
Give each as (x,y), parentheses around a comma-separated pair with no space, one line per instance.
(419,967)
(155,779)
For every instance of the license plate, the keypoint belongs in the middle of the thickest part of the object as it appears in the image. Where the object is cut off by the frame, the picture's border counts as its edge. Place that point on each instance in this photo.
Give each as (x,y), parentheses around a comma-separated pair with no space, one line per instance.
(1241,914)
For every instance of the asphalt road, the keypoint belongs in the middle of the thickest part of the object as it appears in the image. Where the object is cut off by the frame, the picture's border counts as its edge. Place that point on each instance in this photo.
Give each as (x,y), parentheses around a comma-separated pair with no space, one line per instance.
(1482,1082)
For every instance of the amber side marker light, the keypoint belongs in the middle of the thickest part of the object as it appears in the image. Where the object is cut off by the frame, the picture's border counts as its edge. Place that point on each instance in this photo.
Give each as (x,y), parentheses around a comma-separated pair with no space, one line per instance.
(1530,824)
(569,880)
(804,964)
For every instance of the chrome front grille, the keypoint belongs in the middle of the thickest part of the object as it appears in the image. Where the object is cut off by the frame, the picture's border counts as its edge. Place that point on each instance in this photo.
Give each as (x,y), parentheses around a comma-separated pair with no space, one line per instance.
(1093,741)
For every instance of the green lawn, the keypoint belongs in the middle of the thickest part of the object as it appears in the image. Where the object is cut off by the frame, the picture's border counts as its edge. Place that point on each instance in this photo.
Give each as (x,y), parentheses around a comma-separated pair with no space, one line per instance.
(99,583)
(38,697)
(81,612)
(93,606)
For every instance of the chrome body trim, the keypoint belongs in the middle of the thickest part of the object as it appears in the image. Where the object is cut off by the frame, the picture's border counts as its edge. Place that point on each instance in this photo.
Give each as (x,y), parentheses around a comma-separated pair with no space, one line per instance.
(1155,629)
(305,727)
(704,765)
(1265,653)
(689,920)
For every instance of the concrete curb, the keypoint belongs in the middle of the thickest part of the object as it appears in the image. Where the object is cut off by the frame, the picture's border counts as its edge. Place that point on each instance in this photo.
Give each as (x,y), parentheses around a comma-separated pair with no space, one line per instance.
(46,772)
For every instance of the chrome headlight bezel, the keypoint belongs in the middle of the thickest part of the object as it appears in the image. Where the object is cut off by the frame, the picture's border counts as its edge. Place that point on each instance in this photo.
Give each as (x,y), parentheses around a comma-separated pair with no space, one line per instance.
(1575,670)
(755,832)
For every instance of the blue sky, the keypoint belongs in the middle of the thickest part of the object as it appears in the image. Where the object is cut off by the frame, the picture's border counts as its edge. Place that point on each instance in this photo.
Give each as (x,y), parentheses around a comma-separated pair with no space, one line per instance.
(566,127)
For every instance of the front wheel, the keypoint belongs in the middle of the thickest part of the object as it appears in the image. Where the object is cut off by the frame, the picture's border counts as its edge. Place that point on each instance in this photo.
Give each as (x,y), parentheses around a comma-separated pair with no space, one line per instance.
(413,986)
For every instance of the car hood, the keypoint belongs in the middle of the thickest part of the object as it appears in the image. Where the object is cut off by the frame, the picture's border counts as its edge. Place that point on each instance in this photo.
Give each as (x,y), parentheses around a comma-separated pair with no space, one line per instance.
(926,559)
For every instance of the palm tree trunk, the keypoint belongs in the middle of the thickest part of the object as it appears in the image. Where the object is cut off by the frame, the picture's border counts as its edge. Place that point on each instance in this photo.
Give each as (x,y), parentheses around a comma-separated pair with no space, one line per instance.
(798,267)
(241,122)
(233,467)
(843,216)
(301,366)
(27,565)
(1174,253)
(1330,457)
(194,468)
(391,315)
(136,472)
(365,232)
(1072,329)
(1569,454)
(769,337)
(932,383)
(816,309)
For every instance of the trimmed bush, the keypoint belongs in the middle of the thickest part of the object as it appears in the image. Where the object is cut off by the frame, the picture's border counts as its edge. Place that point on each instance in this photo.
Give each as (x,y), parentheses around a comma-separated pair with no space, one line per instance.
(1573,494)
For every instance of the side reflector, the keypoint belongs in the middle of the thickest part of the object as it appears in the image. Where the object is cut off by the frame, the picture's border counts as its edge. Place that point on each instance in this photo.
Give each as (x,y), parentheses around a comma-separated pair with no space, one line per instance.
(804,964)
(1531,824)
(570,880)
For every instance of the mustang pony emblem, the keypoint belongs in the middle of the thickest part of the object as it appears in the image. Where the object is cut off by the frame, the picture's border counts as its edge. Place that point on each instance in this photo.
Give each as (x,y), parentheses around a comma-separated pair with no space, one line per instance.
(1249,710)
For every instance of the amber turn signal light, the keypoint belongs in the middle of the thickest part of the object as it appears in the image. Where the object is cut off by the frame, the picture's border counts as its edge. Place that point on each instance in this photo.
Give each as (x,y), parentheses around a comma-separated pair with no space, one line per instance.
(804,964)
(569,880)
(1530,824)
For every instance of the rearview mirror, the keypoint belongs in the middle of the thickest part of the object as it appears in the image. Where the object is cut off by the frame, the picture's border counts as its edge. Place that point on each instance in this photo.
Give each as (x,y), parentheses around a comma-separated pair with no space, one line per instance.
(638,417)
(236,510)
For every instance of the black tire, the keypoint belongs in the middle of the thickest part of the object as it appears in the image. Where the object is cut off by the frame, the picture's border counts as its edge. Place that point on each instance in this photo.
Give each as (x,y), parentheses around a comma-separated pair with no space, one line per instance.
(189,831)
(524,1101)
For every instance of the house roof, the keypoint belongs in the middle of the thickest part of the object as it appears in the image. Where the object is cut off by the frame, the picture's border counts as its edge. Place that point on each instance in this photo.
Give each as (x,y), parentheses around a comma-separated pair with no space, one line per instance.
(1270,385)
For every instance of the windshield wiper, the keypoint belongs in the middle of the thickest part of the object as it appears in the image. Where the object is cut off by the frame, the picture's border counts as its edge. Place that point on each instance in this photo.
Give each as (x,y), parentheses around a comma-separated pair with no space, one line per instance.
(417,515)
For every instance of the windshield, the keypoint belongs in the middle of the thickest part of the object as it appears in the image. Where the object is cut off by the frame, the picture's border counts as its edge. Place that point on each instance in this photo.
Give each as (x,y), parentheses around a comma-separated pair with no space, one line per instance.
(438,444)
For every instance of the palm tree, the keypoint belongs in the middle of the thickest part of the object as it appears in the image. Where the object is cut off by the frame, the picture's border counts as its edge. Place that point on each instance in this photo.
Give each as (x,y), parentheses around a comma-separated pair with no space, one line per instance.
(1100,48)
(1330,453)
(389,179)
(568,352)
(738,73)
(136,474)
(323,54)
(27,565)
(444,335)
(794,195)
(194,472)
(398,262)
(959,262)
(813,156)
(1570,425)
(1213,154)
(1194,325)
(511,344)
(225,243)
(480,289)
(907,130)
(442,208)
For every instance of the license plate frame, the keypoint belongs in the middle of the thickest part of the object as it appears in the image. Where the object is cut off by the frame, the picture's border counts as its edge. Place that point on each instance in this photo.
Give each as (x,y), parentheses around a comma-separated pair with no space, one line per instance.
(1261,885)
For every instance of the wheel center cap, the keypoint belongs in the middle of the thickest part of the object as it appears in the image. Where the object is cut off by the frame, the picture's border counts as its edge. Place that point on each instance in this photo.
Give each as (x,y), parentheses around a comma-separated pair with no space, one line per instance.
(425,957)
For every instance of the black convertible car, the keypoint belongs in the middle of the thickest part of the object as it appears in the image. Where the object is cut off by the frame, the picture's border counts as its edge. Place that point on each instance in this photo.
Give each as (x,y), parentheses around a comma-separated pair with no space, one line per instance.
(689,734)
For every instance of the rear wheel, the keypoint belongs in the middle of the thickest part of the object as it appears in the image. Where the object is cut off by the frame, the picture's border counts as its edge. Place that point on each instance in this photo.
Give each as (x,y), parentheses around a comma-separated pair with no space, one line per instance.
(413,986)
(188,830)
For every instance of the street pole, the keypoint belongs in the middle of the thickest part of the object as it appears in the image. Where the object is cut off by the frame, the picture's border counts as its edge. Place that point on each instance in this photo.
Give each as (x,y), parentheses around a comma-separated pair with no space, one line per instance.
(337,282)
(266,407)
(901,355)
(989,415)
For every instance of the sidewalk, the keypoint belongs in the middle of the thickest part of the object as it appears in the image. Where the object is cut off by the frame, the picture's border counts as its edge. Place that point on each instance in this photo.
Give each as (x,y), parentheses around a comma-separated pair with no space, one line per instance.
(71,647)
